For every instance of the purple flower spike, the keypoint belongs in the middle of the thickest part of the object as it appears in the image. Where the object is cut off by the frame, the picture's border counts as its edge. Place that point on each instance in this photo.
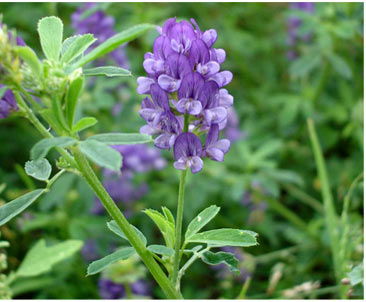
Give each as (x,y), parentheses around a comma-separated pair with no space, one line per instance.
(215,148)
(186,86)
(187,152)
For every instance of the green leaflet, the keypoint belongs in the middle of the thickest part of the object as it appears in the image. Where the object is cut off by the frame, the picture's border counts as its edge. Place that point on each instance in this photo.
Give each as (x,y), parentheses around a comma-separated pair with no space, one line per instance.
(201,220)
(121,138)
(50,30)
(113,226)
(225,237)
(99,265)
(39,169)
(18,205)
(221,257)
(41,258)
(101,154)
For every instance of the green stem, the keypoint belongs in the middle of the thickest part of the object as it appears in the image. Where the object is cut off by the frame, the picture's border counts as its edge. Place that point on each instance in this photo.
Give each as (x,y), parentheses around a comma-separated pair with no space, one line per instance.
(244,289)
(125,226)
(178,228)
(129,294)
(283,253)
(191,260)
(331,218)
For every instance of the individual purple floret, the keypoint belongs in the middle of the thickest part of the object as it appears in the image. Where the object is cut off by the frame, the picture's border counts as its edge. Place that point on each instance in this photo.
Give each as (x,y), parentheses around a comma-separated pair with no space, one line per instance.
(7,103)
(111,290)
(185,81)
(215,148)
(187,152)
(293,25)
(101,26)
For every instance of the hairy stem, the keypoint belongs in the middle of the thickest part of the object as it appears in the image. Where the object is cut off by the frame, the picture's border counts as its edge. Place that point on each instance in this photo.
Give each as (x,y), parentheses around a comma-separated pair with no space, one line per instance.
(178,229)
(125,226)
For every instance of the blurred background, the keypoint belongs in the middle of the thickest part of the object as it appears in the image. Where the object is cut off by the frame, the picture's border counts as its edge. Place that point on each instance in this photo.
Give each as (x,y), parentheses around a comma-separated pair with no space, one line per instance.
(291,61)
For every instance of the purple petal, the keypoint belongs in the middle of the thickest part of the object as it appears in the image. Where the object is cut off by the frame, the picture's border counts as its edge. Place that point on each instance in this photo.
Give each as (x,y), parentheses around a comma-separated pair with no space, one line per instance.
(148,114)
(215,115)
(170,123)
(182,34)
(208,69)
(219,54)
(177,65)
(226,100)
(191,86)
(194,108)
(223,124)
(150,130)
(209,95)
(196,164)
(4,109)
(215,154)
(159,97)
(147,103)
(199,53)
(223,145)
(144,84)
(165,141)
(212,135)
(162,47)
(210,37)
(187,145)
(168,83)
(188,105)
(181,164)
(222,78)
(168,25)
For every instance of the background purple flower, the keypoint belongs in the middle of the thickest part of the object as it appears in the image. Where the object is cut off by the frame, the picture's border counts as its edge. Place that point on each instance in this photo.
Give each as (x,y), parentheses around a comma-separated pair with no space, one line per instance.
(111,290)
(293,25)
(101,26)
(121,187)
(90,250)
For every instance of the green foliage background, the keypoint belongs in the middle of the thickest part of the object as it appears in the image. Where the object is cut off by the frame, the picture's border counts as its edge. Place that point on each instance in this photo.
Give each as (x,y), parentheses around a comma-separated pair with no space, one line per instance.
(274,161)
